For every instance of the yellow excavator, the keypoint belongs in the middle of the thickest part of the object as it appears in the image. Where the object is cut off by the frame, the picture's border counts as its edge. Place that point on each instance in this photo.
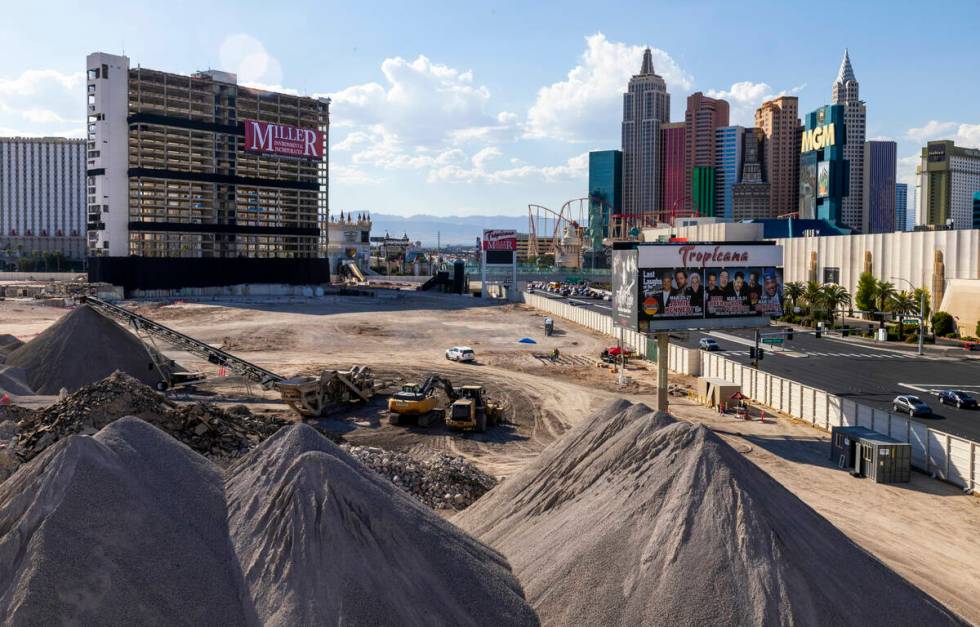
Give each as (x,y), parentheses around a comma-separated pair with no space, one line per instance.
(473,411)
(417,402)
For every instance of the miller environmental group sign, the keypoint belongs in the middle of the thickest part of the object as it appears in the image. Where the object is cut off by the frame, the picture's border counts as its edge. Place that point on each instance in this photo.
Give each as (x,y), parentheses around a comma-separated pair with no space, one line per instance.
(499,239)
(283,140)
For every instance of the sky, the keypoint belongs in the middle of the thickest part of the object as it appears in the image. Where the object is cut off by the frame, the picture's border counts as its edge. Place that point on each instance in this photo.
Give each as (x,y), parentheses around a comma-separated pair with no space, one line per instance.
(449,108)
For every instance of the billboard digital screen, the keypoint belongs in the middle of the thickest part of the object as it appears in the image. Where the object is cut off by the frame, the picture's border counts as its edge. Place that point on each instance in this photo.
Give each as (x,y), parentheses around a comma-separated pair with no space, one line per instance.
(696,286)
(283,140)
(499,239)
(823,179)
(808,185)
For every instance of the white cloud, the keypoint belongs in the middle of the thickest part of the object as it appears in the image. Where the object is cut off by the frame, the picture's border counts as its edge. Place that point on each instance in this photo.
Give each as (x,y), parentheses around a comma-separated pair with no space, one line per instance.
(744,97)
(482,158)
(905,170)
(350,175)
(962,134)
(422,103)
(575,168)
(587,105)
(43,102)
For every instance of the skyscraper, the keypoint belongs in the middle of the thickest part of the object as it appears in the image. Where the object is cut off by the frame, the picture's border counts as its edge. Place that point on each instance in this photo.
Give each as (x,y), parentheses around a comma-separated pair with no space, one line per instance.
(845,92)
(879,187)
(702,116)
(947,177)
(605,191)
(728,163)
(901,206)
(673,189)
(750,196)
(646,105)
(779,121)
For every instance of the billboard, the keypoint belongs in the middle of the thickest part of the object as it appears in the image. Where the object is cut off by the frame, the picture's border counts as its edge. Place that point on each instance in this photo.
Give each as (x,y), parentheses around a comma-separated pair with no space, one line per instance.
(624,289)
(696,286)
(808,185)
(499,239)
(823,179)
(283,140)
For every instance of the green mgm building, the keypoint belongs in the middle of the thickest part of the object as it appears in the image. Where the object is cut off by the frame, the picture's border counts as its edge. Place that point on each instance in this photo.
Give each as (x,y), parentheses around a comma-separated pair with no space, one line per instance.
(824,172)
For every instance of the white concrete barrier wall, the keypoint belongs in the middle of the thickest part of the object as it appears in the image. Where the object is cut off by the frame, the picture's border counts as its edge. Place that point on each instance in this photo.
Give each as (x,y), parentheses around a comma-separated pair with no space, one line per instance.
(935,452)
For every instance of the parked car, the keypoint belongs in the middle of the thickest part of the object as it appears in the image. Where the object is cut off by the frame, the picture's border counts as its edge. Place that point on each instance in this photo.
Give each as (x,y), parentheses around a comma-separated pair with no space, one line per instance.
(460,353)
(708,344)
(911,405)
(959,398)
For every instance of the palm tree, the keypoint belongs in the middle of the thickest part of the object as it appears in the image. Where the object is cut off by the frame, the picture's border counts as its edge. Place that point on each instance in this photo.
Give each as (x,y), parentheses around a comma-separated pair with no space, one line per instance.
(793,291)
(835,297)
(904,304)
(884,293)
(813,295)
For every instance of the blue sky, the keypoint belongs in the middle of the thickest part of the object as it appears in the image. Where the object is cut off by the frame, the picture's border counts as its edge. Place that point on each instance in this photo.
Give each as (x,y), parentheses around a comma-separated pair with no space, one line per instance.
(482,108)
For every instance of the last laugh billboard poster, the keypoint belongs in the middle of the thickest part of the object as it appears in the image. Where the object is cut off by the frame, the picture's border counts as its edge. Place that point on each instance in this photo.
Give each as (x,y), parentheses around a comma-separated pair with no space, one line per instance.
(742,291)
(708,281)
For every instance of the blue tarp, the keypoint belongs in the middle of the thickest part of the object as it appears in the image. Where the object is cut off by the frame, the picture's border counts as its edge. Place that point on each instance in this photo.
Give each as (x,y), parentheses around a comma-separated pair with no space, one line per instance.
(526,340)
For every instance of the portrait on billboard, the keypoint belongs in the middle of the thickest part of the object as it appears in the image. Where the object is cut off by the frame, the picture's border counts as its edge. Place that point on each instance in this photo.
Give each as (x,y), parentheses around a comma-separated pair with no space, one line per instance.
(739,291)
(823,179)
(670,293)
(625,277)
(808,185)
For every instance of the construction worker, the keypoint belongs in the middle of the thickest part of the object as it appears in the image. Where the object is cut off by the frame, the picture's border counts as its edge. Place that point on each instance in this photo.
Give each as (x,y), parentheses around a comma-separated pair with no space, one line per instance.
(554,354)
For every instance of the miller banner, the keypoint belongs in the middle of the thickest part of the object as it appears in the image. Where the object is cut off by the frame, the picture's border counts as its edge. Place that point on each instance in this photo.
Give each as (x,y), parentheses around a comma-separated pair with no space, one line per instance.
(665,286)
(283,140)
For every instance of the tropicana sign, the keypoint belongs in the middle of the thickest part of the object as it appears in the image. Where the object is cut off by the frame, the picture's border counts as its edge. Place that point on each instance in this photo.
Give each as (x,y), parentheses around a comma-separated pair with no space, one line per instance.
(817,138)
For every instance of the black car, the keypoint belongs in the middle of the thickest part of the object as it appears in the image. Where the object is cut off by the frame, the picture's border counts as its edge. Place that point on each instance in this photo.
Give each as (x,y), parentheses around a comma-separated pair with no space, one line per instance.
(911,405)
(959,398)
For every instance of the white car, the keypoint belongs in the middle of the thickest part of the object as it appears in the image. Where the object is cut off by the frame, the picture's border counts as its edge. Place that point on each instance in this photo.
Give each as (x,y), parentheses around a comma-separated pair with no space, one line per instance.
(460,353)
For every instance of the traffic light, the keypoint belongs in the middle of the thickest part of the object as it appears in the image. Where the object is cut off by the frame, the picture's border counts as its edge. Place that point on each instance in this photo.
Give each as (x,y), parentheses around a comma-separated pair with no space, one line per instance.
(816,333)
(752,352)
(789,334)
(845,331)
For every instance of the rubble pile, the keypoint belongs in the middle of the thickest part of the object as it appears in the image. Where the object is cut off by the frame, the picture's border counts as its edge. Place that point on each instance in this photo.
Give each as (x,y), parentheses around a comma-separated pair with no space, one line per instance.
(207,429)
(440,481)
(8,447)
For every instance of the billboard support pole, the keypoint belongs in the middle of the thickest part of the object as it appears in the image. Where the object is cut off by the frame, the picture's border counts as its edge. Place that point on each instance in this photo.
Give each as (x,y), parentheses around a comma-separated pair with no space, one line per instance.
(622,360)
(663,352)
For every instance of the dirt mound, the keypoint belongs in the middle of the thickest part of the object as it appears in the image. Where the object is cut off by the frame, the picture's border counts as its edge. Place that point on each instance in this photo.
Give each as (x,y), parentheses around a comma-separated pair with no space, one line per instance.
(127,527)
(207,429)
(360,550)
(80,348)
(8,344)
(13,381)
(632,518)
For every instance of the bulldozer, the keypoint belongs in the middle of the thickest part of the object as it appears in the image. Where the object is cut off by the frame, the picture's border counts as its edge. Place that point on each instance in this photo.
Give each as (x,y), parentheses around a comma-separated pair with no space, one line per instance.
(473,411)
(417,402)
(315,397)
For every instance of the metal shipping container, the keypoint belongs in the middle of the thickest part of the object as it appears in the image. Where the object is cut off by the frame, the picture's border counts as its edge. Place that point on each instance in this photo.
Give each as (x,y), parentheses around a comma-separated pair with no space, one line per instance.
(870,454)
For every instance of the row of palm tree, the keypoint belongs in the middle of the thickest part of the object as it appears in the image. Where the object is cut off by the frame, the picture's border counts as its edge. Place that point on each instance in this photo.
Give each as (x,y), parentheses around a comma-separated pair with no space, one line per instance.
(820,299)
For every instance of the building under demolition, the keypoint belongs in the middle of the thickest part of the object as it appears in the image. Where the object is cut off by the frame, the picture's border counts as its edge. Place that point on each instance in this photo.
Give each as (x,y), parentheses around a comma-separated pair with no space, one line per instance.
(198,181)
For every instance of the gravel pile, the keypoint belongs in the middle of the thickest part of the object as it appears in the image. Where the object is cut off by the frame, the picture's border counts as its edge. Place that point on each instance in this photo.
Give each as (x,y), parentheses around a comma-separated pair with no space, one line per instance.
(8,344)
(632,518)
(322,540)
(13,382)
(8,447)
(440,481)
(207,429)
(124,528)
(81,348)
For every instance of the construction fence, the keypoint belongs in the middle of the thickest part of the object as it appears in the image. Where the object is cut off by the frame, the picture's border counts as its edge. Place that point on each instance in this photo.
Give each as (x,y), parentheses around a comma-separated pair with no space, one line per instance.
(935,452)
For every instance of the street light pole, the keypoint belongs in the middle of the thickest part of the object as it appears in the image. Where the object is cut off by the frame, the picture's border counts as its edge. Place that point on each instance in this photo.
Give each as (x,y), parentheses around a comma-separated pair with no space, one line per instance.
(922,312)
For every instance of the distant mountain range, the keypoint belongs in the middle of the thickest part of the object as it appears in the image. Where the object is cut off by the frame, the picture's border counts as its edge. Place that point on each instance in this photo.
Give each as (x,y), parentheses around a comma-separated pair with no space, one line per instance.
(448,231)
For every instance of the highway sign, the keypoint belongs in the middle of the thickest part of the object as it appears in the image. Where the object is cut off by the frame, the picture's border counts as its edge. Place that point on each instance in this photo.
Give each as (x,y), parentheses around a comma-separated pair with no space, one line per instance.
(772,340)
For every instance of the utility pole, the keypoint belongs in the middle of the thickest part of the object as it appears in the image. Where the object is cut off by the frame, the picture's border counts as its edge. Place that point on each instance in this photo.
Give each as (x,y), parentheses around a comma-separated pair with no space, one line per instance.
(755,354)
(663,355)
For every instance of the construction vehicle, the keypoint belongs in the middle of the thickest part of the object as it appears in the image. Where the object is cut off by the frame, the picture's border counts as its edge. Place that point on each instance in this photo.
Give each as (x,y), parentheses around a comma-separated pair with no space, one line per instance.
(417,402)
(309,396)
(315,397)
(473,411)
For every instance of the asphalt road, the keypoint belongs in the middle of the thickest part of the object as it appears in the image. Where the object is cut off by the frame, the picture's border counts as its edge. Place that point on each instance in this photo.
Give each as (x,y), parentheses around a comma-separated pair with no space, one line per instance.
(872,374)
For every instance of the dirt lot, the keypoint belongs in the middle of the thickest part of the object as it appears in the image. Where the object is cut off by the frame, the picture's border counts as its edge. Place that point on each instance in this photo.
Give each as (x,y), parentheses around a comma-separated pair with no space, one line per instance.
(926,530)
